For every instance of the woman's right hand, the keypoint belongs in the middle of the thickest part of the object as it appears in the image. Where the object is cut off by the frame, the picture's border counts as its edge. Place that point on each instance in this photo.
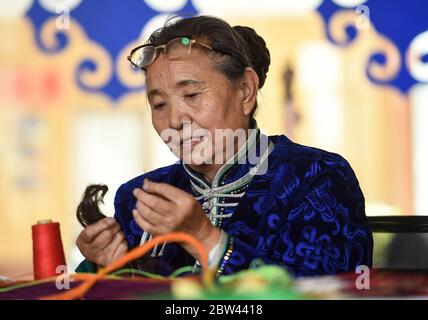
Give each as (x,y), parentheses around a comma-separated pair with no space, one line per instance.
(102,242)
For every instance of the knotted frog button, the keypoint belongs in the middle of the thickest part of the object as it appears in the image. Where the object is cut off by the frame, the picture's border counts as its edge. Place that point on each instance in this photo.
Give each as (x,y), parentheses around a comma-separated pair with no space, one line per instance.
(207,205)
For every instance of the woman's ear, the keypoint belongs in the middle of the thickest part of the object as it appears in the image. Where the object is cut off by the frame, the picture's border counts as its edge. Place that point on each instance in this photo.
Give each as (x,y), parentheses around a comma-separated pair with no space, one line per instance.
(250,86)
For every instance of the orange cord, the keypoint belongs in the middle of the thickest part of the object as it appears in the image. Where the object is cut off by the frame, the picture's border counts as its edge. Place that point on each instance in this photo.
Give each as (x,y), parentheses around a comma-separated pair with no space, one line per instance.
(90,280)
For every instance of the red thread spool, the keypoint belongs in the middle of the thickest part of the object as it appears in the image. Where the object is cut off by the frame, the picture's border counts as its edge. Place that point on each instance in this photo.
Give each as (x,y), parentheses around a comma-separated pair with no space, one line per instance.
(48,252)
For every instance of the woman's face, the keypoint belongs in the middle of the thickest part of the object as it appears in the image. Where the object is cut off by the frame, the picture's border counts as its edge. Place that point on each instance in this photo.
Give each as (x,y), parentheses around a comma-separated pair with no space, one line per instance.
(195,102)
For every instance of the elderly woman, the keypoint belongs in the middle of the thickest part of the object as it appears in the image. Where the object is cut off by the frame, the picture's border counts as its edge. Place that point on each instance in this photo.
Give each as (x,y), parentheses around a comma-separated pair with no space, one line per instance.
(259,198)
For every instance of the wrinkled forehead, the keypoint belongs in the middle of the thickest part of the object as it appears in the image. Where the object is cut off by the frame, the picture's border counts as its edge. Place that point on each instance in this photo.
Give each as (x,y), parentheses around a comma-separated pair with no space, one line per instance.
(172,68)
(167,77)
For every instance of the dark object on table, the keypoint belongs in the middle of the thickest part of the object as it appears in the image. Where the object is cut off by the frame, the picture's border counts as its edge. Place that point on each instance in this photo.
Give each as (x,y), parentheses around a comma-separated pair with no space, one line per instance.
(407,251)
(409,246)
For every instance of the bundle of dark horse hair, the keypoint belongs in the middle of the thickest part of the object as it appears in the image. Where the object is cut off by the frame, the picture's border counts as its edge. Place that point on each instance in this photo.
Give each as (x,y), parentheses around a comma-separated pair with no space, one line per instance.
(88,211)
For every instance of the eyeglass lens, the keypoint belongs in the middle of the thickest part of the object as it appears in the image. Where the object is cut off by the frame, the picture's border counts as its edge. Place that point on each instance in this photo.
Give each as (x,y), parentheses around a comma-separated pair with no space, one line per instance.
(174,49)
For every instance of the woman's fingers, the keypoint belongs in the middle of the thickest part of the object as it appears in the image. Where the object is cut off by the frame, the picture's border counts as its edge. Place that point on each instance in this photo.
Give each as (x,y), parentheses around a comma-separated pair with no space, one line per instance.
(121,250)
(117,240)
(147,213)
(105,237)
(115,249)
(165,190)
(151,215)
(101,241)
(92,231)
(153,201)
(143,223)
(118,245)
(156,215)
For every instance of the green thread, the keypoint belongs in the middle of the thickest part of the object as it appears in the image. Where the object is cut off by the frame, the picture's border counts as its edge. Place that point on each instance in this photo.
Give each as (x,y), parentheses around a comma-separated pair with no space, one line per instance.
(114,275)
(30,284)
(24,285)
(173,275)
(139,272)
(180,271)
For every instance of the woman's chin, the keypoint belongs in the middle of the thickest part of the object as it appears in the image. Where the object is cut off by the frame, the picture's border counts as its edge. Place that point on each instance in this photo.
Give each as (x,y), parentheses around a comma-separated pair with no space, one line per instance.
(197,161)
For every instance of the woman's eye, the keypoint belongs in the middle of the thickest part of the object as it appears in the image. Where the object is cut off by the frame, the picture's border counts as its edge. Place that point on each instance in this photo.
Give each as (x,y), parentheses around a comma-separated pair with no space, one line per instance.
(158,105)
(192,95)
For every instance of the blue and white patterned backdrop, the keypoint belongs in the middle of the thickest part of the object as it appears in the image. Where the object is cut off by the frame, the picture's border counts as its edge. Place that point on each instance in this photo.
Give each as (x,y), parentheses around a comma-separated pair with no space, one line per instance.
(404,23)
(111,24)
(114,24)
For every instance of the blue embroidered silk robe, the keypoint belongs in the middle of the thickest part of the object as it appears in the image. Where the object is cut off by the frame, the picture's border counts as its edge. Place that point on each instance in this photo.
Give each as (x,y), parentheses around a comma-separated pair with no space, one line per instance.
(305,212)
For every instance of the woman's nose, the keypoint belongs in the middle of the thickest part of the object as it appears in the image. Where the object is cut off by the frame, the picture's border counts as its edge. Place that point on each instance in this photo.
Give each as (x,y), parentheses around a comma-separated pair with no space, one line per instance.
(177,117)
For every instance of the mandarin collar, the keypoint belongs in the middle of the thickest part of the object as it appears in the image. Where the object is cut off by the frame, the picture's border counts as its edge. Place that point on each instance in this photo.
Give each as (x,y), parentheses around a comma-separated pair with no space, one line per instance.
(237,168)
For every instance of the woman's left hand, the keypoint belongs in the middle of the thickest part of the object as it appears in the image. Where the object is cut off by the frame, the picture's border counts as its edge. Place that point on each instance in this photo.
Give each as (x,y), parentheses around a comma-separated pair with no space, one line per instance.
(162,208)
